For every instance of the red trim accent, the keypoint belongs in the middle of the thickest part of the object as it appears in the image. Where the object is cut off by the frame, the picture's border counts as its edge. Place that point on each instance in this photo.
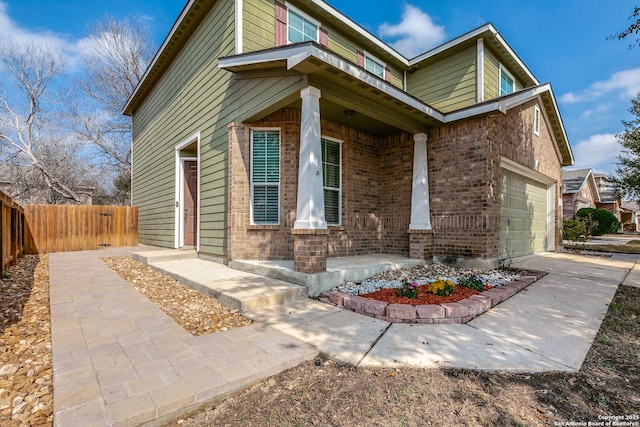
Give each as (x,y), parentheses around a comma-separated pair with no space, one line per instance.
(324,37)
(360,58)
(387,74)
(281,24)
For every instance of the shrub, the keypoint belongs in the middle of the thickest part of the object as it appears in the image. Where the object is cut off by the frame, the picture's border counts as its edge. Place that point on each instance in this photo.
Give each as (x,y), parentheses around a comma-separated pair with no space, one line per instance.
(607,222)
(471,282)
(574,230)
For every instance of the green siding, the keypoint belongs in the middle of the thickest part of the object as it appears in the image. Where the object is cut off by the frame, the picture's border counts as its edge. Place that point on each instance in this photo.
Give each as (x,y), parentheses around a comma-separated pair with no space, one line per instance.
(492,76)
(447,84)
(194,95)
(258,23)
(259,33)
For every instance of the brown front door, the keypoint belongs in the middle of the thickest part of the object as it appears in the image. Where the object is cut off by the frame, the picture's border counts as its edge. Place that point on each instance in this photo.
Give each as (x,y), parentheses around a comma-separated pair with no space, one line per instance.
(190,202)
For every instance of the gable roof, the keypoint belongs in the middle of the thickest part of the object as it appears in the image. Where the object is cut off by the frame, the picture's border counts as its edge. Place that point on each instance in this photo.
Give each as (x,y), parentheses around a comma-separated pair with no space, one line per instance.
(573,180)
(195,10)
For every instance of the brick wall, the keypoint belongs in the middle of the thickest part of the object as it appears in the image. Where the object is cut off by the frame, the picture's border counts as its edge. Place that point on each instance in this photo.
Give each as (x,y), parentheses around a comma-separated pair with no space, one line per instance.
(465,203)
(376,192)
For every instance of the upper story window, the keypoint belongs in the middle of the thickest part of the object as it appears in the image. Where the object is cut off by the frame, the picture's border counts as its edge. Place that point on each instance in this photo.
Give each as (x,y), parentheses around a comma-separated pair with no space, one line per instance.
(301,27)
(265,176)
(507,82)
(373,65)
(295,26)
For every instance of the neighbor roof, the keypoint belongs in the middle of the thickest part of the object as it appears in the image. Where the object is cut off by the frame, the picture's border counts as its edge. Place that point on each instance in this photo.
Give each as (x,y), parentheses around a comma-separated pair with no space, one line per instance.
(573,180)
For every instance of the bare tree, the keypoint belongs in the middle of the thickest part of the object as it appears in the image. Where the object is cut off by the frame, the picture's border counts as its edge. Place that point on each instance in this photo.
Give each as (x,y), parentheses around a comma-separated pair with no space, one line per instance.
(115,56)
(24,126)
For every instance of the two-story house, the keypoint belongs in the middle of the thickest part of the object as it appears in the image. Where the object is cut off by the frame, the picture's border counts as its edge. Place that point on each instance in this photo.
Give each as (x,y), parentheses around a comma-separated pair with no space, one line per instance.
(286,131)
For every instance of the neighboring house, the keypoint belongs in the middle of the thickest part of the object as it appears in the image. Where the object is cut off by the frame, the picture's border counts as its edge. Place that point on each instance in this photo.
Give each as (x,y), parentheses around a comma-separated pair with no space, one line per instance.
(286,131)
(26,186)
(579,190)
(609,198)
(630,217)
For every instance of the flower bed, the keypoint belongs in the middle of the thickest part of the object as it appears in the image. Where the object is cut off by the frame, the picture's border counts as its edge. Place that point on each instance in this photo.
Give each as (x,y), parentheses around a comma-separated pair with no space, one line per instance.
(443,312)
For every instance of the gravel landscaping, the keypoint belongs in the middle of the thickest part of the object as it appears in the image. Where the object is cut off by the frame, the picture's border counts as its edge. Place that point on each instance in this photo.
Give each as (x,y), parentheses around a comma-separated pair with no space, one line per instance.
(26,384)
(423,274)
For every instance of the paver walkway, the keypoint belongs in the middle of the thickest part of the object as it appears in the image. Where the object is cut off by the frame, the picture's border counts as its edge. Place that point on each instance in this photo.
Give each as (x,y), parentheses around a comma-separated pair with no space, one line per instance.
(120,360)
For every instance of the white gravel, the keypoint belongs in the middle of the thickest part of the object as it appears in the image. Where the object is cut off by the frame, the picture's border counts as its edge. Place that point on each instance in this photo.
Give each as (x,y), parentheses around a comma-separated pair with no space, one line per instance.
(424,274)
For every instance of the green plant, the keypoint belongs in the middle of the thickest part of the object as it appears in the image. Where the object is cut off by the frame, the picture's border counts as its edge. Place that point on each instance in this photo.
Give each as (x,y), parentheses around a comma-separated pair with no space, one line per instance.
(606,221)
(408,289)
(442,288)
(574,230)
(471,282)
(6,275)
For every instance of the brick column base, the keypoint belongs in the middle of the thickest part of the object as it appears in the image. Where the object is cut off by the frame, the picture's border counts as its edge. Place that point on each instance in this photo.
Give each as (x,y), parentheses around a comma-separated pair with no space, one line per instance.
(310,250)
(421,244)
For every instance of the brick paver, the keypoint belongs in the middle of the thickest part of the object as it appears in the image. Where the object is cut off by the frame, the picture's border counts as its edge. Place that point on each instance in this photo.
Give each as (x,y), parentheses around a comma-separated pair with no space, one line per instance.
(120,360)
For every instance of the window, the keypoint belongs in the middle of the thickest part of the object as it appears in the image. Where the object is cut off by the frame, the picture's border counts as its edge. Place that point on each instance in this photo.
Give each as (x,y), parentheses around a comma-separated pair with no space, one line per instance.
(507,84)
(300,27)
(331,175)
(536,120)
(265,176)
(373,65)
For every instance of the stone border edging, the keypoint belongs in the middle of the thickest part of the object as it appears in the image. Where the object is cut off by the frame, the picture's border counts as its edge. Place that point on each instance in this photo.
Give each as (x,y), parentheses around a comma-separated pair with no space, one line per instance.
(447,313)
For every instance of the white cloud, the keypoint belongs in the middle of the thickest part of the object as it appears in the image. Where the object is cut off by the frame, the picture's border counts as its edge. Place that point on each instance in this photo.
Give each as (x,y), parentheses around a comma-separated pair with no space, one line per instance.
(415,34)
(626,83)
(598,152)
(11,31)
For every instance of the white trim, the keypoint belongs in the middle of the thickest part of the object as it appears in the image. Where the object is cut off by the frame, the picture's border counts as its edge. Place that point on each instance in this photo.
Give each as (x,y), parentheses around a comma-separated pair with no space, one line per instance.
(292,8)
(239,26)
(251,130)
(376,60)
(178,240)
(503,70)
(536,120)
(551,217)
(480,70)
(339,142)
(516,167)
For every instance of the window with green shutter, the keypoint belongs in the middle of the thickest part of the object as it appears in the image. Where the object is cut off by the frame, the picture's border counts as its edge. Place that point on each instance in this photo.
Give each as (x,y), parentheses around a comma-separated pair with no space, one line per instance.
(265,176)
(332,180)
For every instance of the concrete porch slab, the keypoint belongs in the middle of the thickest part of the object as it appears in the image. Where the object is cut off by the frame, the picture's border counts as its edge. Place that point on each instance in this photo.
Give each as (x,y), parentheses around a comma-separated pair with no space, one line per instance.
(339,270)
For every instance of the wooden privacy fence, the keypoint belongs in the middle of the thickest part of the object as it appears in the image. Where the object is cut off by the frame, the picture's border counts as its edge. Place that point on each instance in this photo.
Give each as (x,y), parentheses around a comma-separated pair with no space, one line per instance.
(11,231)
(64,228)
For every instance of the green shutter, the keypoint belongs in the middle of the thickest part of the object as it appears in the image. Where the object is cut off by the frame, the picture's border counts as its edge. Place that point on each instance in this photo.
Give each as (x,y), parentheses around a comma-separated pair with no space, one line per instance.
(331,171)
(265,173)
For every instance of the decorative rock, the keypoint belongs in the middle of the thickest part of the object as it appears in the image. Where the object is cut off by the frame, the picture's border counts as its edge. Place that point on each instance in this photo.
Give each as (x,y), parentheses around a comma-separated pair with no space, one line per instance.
(8,370)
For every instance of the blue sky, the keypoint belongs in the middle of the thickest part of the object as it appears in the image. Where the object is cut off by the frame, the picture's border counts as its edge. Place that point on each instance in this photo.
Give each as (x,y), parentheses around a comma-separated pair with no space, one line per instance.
(562,42)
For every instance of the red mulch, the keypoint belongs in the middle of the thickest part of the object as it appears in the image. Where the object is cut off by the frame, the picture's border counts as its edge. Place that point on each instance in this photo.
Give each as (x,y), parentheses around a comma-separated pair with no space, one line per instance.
(424,296)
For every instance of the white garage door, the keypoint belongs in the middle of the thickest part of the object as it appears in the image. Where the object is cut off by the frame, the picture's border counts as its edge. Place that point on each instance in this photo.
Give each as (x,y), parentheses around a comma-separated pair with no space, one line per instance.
(524,215)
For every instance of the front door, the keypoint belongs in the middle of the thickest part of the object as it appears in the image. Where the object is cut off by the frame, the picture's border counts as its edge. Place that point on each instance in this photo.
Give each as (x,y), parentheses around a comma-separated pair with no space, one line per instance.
(190,202)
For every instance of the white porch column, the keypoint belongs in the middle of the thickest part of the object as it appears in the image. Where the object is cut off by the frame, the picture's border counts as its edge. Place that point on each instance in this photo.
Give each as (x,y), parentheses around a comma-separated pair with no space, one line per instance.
(310,207)
(420,212)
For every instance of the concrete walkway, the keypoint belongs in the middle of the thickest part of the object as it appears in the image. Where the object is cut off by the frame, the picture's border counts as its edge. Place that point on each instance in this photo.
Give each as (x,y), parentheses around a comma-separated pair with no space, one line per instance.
(549,326)
(119,360)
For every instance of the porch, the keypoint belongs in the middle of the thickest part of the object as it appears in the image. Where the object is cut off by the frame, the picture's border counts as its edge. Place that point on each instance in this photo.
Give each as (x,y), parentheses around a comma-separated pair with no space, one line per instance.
(339,270)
